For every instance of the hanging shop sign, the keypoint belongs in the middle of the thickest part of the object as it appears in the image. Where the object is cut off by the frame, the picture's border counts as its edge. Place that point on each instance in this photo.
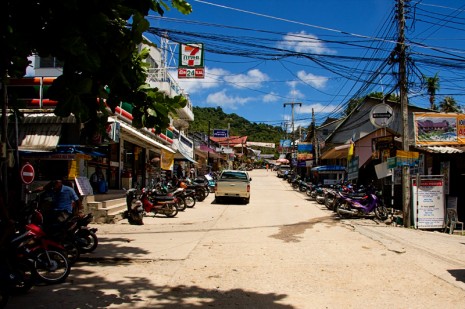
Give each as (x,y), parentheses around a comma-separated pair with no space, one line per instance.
(439,128)
(352,168)
(191,61)
(428,200)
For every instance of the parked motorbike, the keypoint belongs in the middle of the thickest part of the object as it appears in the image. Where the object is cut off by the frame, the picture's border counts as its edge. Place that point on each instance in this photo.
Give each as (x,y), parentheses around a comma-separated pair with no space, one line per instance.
(362,207)
(86,237)
(15,272)
(135,211)
(47,257)
(154,203)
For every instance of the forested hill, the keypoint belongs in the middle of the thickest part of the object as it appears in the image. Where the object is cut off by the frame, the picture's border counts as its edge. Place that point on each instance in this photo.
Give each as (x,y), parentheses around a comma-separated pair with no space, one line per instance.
(256,132)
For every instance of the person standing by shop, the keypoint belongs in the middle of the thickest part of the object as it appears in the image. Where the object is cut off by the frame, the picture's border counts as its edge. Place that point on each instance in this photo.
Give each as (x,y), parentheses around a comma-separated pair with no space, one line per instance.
(192,172)
(97,181)
(65,201)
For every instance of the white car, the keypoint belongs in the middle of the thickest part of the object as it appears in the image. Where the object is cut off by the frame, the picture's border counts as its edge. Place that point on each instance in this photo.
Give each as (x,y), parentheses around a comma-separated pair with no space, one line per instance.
(233,183)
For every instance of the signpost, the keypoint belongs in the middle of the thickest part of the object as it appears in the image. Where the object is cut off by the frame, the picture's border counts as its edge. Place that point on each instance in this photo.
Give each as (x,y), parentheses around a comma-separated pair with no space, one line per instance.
(428,202)
(381,115)
(220,133)
(27,174)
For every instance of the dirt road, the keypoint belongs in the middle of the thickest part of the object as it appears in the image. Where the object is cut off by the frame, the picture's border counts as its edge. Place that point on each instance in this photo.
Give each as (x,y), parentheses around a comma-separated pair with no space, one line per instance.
(280,251)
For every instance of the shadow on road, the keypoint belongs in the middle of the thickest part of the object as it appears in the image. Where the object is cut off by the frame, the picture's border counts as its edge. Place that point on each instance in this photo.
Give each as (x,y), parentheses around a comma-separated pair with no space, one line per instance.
(88,289)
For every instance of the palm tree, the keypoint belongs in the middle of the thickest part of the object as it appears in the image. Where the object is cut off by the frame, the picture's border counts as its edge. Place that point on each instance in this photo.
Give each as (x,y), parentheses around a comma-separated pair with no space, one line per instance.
(449,105)
(432,86)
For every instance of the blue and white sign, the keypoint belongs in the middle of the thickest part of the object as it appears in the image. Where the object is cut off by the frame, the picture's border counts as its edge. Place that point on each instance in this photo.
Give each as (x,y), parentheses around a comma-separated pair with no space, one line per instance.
(220,133)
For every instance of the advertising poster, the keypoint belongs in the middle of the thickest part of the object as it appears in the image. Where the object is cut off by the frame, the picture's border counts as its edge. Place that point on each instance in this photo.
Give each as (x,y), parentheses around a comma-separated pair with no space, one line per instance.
(304,152)
(439,128)
(167,160)
(428,202)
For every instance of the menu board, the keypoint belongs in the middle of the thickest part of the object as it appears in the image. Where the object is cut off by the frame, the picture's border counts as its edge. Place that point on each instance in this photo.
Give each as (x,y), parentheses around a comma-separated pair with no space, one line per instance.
(428,202)
(83,186)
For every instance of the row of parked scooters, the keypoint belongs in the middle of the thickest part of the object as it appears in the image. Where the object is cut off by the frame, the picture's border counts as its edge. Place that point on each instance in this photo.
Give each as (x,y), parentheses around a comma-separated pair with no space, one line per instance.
(344,199)
(166,197)
(37,250)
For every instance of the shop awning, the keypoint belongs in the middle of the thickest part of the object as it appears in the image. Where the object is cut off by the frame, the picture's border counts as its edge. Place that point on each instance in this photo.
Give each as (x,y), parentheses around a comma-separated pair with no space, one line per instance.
(38,137)
(338,152)
(138,135)
(442,149)
(181,156)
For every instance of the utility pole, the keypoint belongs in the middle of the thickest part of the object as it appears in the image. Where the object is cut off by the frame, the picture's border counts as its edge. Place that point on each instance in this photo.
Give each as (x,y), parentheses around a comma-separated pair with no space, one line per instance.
(404,106)
(208,150)
(292,123)
(315,138)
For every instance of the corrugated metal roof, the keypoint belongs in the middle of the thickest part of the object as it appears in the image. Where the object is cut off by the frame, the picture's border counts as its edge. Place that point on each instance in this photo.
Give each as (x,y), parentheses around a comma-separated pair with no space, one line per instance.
(47,118)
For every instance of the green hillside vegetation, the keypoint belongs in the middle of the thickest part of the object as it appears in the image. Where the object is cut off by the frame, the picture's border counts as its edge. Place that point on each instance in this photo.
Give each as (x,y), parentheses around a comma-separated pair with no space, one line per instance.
(256,132)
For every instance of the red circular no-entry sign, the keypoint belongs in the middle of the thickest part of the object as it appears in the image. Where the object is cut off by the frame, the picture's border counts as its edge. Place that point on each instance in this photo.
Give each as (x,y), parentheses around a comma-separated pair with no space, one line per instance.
(27,173)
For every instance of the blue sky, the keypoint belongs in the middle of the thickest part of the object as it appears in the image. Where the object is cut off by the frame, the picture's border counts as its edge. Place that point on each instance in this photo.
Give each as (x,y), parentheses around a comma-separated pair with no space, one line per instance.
(261,54)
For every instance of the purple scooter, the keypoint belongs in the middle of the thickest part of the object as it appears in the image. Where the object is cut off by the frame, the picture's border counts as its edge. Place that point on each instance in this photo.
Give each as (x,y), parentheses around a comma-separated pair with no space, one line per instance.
(351,207)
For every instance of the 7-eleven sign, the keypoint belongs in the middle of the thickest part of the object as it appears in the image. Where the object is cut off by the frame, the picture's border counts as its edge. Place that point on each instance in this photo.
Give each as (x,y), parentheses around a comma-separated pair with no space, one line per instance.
(191,55)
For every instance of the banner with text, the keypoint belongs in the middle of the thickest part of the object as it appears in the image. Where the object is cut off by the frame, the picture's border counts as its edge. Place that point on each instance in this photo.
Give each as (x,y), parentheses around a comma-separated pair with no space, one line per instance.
(439,128)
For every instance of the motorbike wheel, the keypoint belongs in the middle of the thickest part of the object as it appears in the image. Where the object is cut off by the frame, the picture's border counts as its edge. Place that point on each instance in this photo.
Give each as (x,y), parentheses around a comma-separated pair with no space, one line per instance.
(24,269)
(171,211)
(207,191)
(381,212)
(51,266)
(90,242)
(200,194)
(342,206)
(329,202)
(295,186)
(190,201)
(181,204)
(308,192)
(72,252)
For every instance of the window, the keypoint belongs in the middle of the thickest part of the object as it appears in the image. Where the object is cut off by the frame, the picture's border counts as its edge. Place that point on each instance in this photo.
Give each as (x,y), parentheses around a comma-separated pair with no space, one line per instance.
(50,62)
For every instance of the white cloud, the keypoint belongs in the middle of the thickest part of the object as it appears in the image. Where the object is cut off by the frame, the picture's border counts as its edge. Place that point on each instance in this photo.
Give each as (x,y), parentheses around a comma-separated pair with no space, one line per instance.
(222,99)
(317,108)
(296,94)
(316,81)
(270,97)
(213,79)
(304,43)
(253,79)
(292,83)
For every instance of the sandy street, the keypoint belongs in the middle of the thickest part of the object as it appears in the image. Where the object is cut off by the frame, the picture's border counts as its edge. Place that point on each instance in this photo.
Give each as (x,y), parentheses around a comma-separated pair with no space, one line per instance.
(280,251)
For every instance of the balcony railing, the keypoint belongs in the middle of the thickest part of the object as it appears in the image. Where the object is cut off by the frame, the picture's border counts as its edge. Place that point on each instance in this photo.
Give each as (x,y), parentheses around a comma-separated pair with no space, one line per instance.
(160,78)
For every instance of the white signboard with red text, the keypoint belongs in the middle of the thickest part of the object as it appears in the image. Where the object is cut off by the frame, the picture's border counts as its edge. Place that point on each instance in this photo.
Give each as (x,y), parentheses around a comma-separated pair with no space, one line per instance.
(428,202)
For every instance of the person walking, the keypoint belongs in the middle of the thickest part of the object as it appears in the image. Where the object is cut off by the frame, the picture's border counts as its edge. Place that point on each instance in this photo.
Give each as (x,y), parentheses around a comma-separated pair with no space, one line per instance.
(267,166)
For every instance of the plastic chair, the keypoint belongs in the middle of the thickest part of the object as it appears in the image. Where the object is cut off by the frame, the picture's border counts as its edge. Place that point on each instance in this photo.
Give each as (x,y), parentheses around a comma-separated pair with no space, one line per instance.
(452,221)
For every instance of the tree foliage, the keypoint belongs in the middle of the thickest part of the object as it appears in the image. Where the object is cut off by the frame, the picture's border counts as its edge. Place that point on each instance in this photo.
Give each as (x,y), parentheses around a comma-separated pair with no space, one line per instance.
(97,43)
(432,86)
(256,132)
(449,105)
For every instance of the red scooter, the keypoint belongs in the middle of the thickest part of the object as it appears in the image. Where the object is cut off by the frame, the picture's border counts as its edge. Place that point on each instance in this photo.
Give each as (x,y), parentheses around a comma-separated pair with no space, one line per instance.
(158,204)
